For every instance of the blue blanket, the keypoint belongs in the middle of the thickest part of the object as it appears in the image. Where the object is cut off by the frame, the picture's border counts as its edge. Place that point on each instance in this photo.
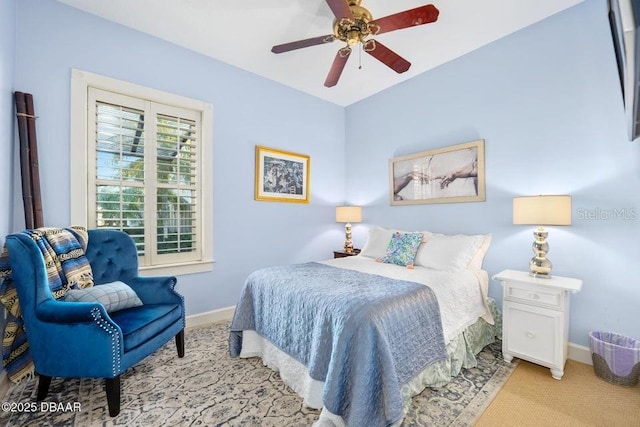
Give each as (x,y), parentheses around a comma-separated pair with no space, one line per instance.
(364,335)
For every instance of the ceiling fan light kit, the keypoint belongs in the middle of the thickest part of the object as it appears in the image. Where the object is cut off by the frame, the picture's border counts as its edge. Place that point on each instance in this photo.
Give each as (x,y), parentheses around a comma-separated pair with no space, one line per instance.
(353,24)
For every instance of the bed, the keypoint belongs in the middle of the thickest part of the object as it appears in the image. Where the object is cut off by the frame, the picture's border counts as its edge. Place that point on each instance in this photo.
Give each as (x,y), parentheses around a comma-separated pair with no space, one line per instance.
(357,337)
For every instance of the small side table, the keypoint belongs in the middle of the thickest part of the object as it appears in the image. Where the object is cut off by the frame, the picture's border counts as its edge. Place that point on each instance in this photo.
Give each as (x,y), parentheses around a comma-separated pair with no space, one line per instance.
(343,254)
(535,318)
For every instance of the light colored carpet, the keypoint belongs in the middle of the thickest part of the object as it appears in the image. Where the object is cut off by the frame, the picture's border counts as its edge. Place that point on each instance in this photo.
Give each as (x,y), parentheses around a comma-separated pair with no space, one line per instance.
(208,388)
(532,398)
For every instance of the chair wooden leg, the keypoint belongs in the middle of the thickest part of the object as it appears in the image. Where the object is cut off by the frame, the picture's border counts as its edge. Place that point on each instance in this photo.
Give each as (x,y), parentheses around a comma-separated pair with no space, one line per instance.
(180,343)
(112,386)
(43,387)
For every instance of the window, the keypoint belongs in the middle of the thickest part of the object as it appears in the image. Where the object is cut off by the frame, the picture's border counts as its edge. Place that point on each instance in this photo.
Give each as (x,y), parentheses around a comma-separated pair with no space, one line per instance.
(141,157)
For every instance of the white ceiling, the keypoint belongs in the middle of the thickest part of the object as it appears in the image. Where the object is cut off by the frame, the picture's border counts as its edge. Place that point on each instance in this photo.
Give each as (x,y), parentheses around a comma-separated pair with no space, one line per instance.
(241,33)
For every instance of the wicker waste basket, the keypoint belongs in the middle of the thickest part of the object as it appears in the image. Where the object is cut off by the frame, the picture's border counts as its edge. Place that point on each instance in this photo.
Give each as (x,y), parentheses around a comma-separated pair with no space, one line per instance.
(616,358)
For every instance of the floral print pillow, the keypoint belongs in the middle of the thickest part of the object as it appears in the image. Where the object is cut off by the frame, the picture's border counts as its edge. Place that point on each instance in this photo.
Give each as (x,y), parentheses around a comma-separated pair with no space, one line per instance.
(402,249)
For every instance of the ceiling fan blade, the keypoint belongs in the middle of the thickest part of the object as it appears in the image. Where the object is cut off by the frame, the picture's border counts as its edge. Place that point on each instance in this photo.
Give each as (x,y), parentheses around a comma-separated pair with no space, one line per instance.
(337,66)
(409,18)
(340,9)
(303,43)
(386,56)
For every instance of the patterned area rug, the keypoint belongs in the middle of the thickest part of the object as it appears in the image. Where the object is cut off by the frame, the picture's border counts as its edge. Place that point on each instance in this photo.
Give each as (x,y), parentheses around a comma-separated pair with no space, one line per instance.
(208,388)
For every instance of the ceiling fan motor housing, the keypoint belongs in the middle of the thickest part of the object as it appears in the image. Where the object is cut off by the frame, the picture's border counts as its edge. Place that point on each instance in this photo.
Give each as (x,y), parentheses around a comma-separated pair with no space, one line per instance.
(353,31)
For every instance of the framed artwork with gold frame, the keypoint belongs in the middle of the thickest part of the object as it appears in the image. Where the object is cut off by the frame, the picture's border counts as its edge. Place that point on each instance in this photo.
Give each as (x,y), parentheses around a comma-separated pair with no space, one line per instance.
(281,176)
(444,175)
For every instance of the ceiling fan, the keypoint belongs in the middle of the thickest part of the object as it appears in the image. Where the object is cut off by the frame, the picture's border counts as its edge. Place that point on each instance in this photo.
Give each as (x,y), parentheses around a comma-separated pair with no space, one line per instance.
(354,24)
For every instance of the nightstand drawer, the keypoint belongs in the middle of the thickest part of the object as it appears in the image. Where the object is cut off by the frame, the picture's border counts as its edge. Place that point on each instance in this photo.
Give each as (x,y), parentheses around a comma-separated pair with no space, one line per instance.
(539,295)
(533,332)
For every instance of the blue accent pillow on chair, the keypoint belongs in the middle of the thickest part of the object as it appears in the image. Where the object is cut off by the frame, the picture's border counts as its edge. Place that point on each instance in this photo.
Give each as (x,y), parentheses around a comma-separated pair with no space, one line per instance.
(113,296)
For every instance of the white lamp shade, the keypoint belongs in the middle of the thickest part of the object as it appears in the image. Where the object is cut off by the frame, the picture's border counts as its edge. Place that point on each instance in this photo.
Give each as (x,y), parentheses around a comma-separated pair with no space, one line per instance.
(348,214)
(542,210)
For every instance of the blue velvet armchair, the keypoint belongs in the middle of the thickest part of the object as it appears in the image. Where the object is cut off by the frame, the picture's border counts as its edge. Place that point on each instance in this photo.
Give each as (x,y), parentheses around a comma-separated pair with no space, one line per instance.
(82,340)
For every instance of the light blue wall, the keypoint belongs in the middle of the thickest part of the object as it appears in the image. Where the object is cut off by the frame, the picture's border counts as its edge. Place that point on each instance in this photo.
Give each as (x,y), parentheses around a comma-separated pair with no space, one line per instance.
(547,102)
(247,110)
(7,116)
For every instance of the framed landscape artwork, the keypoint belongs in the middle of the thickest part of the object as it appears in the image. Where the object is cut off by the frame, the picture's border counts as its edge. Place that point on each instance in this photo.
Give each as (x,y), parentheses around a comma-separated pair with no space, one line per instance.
(281,176)
(444,175)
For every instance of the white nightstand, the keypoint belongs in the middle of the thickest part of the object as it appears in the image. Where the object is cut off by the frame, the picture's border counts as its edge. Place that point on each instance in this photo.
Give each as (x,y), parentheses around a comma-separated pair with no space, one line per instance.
(535,318)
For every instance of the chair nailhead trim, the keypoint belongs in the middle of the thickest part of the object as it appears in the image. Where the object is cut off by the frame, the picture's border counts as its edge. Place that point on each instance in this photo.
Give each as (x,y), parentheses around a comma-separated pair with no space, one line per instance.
(174,282)
(115,341)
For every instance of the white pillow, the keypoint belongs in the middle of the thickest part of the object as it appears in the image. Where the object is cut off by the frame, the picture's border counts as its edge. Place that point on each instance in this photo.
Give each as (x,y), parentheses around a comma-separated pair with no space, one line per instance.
(449,252)
(478,258)
(377,243)
(113,296)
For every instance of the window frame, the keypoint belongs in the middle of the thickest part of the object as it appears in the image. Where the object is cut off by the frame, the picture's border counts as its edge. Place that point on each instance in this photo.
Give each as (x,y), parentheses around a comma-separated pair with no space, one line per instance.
(81,197)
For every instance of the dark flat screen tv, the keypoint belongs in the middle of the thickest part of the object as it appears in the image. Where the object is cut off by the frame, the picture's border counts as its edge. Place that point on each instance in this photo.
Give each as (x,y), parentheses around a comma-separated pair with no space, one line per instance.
(624,19)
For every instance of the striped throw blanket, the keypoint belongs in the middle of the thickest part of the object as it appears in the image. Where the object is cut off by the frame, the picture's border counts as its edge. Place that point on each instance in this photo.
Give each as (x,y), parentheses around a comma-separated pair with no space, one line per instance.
(67,267)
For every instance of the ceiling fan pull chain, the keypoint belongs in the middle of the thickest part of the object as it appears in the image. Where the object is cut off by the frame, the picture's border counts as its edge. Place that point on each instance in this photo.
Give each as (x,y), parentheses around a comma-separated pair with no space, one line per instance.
(360,56)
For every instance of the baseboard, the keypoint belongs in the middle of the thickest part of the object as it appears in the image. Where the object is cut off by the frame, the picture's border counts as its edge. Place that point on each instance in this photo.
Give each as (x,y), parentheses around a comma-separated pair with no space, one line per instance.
(210,317)
(580,353)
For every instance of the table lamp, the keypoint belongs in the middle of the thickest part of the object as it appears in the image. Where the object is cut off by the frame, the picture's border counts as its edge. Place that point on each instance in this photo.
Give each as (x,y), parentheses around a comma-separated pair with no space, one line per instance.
(348,214)
(540,211)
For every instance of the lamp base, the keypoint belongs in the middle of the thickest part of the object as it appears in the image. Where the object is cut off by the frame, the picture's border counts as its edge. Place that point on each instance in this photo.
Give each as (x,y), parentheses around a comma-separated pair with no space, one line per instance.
(539,275)
(540,266)
(348,243)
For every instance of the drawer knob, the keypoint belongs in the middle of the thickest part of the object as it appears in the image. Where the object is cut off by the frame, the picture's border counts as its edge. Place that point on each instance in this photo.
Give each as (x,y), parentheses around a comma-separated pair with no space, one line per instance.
(530,334)
(534,296)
